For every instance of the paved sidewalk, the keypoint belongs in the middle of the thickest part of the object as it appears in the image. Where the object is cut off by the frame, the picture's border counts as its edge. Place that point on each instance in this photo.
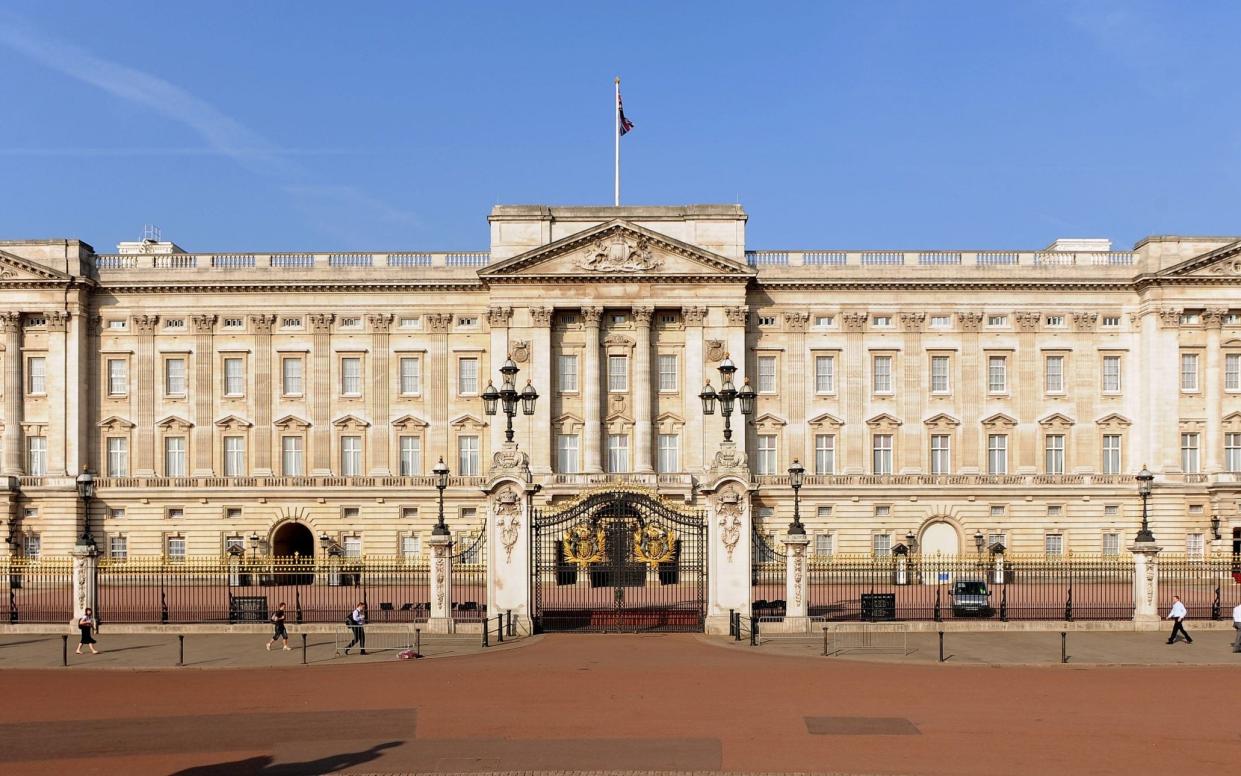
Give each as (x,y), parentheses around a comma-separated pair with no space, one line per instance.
(160,650)
(1210,647)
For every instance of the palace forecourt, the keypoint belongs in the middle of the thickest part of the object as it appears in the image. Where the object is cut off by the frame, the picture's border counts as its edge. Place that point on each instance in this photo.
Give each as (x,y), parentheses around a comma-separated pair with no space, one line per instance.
(620,419)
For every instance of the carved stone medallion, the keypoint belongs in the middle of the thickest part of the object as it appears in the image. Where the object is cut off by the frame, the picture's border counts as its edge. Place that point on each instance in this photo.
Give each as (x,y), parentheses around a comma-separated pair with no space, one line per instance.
(619,254)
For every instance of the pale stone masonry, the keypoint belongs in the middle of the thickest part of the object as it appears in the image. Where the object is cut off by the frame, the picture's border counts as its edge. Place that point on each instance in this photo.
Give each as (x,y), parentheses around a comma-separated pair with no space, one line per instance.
(943,394)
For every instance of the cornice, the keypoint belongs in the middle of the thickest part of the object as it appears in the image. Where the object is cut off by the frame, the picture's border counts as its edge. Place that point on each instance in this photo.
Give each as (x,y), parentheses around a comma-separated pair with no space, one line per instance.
(299,287)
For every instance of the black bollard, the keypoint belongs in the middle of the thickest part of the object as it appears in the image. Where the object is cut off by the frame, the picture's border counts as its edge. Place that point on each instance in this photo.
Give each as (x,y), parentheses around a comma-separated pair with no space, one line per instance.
(180,649)
(64,651)
(417,642)
(1064,647)
(941,646)
(303,649)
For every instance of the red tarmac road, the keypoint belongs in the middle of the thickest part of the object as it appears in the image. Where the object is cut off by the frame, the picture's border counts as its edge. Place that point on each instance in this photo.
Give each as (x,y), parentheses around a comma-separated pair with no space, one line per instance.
(625,703)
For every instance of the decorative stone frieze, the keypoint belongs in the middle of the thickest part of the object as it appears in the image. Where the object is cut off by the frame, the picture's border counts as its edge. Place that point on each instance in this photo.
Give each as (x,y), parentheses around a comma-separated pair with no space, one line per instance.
(11,322)
(498,316)
(970,321)
(439,323)
(1085,321)
(1213,317)
(145,324)
(57,320)
(642,314)
(1169,318)
(736,315)
(203,323)
(1027,321)
(380,323)
(796,321)
(693,315)
(262,323)
(321,323)
(913,322)
(591,315)
(854,322)
(542,316)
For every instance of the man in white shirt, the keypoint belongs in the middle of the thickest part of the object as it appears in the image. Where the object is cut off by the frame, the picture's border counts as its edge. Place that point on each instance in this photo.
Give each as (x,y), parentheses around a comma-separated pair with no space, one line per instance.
(1178,614)
(1236,623)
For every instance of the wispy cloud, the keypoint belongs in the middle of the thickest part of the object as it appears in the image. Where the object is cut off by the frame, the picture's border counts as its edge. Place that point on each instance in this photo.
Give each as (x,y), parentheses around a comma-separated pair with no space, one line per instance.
(172,151)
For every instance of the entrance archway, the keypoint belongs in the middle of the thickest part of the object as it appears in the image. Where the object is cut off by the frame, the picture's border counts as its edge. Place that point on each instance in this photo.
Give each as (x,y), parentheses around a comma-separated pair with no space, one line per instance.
(293,539)
(941,538)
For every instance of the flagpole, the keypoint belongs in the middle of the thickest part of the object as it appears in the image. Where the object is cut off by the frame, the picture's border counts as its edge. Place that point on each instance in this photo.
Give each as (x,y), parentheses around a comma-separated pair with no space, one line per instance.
(616,133)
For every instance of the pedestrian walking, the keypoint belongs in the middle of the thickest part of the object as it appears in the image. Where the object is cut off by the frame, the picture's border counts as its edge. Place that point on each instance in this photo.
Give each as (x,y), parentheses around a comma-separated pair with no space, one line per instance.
(277,620)
(1236,624)
(357,623)
(1177,615)
(87,624)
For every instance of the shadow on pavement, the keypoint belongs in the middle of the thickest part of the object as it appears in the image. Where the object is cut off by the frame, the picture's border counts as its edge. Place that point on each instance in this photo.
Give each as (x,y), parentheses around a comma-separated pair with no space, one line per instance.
(264,766)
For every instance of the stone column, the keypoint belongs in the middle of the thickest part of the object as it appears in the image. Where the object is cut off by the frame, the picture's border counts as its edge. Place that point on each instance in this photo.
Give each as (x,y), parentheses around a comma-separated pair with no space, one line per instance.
(913,398)
(641,389)
(591,401)
(728,551)
(738,318)
(508,540)
(853,384)
(498,320)
(378,395)
(691,384)
(1145,582)
(1214,378)
(1085,454)
(440,620)
(263,393)
(321,400)
(147,366)
(798,390)
(969,461)
(85,589)
(204,392)
(541,373)
(58,386)
(1026,392)
(438,390)
(1166,415)
(14,391)
(796,582)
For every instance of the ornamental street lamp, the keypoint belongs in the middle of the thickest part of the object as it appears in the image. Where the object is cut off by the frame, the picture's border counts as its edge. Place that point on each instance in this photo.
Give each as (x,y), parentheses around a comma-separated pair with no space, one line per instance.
(727,395)
(978,541)
(254,544)
(440,470)
(86,491)
(911,541)
(1215,527)
(796,474)
(508,396)
(1144,478)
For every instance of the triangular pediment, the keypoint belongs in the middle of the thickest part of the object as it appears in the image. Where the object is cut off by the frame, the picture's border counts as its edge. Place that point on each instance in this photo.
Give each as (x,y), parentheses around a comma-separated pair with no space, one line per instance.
(350,421)
(942,419)
(883,419)
(409,423)
(291,422)
(116,422)
(18,269)
(1056,419)
(174,422)
(617,250)
(1224,261)
(1114,419)
(825,419)
(1000,419)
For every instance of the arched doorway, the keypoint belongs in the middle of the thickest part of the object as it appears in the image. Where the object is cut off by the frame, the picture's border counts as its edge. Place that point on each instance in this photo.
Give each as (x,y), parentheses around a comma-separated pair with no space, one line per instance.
(940,538)
(293,539)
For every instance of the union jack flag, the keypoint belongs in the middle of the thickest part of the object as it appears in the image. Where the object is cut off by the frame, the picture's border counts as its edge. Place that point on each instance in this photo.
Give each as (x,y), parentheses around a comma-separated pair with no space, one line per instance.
(625,124)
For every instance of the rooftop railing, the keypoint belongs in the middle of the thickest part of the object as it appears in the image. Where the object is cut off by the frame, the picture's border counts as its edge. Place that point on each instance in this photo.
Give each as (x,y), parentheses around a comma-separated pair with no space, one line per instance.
(836,258)
(114,262)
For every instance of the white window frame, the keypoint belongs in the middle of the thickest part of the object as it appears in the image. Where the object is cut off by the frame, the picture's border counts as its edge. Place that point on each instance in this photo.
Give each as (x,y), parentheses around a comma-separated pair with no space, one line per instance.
(118,380)
(1110,378)
(351,376)
(36,375)
(292,455)
(235,458)
(568,455)
(468,454)
(997,367)
(234,376)
(997,454)
(176,456)
(766,455)
(1053,378)
(881,545)
(1112,446)
(351,455)
(1189,373)
(36,456)
(174,546)
(669,372)
(292,383)
(618,373)
(1053,545)
(618,453)
(1232,451)
(941,368)
(409,375)
(409,455)
(881,447)
(467,376)
(881,374)
(667,453)
(1111,543)
(566,372)
(766,368)
(1232,371)
(825,374)
(1053,453)
(118,456)
(941,454)
(824,453)
(175,380)
(1191,449)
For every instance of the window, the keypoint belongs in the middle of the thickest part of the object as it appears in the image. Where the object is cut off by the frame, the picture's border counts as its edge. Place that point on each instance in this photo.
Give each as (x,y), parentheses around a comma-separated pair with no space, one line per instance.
(1232,372)
(232,513)
(411,547)
(618,318)
(882,321)
(1111,543)
(997,320)
(766,374)
(467,455)
(353,546)
(174,377)
(766,462)
(883,511)
(116,513)
(36,377)
(1232,452)
(1055,320)
(174,456)
(291,454)
(1111,321)
(118,377)
(766,320)
(1189,453)
(350,456)
(668,453)
(823,321)
(410,323)
(824,453)
(118,548)
(618,452)
(174,323)
(234,377)
(881,368)
(174,513)
(1191,318)
(1053,544)
(234,323)
(34,545)
(941,454)
(566,453)
(618,374)
(351,513)
(176,549)
(881,454)
(291,376)
(1054,458)
(941,322)
(411,376)
(1111,510)
(823,544)
(1054,510)
(1111,374)
(290,323)
(997,374)
(36,456)
(668,372)
(117,325)
(823,512)
(1053,374)
(996,537)
(467,376)
(939,374)
(1189,371)
(351,376)
(825,374)
(1194,545)
(351,322)
(1111,453)
(234,456)
(411,456)
(467,321)
(997,454)
(566,372)
(881,545)
(409,513)
(997,510)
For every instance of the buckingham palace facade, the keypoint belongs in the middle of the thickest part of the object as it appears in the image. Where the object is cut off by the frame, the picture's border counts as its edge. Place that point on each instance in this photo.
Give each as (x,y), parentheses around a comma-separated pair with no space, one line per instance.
(933,396)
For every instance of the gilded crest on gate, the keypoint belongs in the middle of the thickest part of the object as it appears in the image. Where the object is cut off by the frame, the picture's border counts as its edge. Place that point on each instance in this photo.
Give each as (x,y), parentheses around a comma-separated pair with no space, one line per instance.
(654,545)
(584,546)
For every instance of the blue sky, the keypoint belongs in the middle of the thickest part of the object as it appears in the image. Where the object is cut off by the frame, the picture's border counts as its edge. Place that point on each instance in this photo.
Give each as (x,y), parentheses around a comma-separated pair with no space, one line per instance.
(298,126)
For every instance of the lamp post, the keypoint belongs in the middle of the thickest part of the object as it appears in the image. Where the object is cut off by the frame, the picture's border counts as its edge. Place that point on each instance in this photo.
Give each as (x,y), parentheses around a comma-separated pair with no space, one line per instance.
(911,541)
(978,540)
(440,470)
(254,544)
(1144,478)
(1215,527)
(507,397)
(727,396)
(796,474)
(86,491)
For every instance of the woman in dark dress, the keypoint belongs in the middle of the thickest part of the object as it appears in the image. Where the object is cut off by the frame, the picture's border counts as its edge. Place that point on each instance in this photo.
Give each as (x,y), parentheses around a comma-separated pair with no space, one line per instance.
(87,624)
